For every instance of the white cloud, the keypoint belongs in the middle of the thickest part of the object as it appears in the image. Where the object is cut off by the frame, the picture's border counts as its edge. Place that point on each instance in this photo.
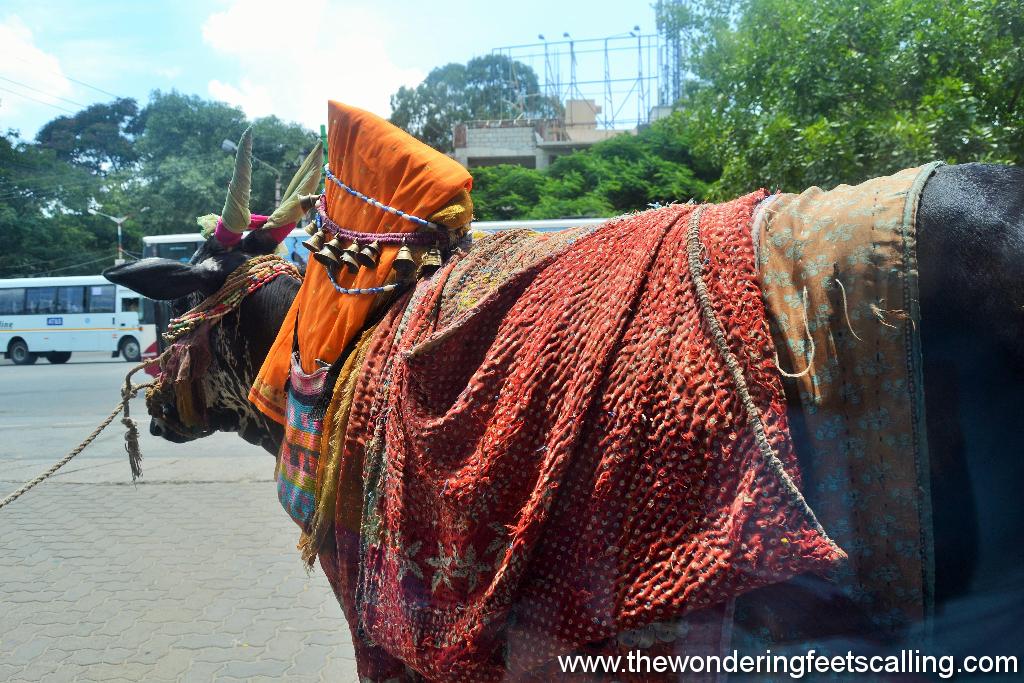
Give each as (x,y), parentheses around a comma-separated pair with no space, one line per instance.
(40,72)
(295,56)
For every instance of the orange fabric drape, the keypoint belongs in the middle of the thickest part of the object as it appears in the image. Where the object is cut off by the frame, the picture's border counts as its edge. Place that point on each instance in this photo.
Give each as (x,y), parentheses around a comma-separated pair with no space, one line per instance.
(386,163)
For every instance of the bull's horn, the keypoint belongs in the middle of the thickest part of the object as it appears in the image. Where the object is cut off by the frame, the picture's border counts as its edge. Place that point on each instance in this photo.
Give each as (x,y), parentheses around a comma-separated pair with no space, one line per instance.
(235,215)
(304,182)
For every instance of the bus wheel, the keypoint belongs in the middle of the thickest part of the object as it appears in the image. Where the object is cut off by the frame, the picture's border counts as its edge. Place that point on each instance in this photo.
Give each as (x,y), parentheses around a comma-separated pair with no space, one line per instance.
(130,351)
(18,351)
(58,357)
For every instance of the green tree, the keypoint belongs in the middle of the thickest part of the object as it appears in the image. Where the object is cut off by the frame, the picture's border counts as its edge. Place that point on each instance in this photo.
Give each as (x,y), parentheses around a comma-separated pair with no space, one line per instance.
(119,159)
(95,138)
(489,87)
(183,170)
(788,94)
(622,174)
(43,220)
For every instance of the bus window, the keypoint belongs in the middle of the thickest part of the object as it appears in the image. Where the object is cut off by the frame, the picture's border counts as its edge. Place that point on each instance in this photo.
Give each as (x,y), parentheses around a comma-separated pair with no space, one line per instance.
(71,300)
(130,304)
(101,299)
(148,315)
(177,251)
(41,300)
(12,301)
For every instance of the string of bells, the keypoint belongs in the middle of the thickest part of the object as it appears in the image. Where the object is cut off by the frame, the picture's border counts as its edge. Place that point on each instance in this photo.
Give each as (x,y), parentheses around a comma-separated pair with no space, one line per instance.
(334,255)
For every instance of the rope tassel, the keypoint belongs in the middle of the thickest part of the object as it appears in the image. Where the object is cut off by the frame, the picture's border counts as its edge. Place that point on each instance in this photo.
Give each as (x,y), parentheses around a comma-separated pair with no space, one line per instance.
(131,445)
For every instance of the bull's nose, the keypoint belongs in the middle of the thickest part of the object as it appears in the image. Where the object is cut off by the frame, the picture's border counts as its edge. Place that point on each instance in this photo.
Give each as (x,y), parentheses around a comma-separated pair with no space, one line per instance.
(155,428)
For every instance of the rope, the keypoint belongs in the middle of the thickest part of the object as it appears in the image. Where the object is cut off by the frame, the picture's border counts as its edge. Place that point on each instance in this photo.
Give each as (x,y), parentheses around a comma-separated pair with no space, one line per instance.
(128,392)
(422,239)
(383,289)
(846,309)
(693,250)
(383,207)
(244,280)
(810,340)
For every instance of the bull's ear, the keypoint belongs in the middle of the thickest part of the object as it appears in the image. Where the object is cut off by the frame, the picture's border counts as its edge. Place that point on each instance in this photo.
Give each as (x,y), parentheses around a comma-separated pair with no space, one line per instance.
(160,278)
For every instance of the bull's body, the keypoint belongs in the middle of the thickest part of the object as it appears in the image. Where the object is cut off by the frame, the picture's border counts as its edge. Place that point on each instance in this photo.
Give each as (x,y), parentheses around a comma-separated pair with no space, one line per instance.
(971,256)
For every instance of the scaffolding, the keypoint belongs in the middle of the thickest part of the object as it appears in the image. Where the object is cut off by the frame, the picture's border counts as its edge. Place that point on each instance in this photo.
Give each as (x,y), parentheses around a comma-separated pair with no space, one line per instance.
(670,55)
(620,74)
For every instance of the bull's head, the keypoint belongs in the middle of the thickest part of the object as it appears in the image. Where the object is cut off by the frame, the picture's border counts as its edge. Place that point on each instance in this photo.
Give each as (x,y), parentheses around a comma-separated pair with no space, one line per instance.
(234,348)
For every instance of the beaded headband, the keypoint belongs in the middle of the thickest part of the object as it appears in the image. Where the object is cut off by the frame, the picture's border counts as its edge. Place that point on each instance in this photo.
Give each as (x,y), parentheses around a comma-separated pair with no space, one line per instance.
(384,207)
(415,239)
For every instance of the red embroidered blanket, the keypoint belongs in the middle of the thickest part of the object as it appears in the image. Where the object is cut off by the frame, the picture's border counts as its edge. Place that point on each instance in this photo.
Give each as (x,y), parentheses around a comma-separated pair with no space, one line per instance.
(565,457)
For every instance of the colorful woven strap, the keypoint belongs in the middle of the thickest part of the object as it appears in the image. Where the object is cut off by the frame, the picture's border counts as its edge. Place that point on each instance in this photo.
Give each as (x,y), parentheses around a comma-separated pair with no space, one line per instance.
(242,282)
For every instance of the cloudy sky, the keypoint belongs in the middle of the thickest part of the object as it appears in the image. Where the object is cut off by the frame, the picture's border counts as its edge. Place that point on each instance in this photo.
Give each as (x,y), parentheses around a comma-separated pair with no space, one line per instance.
(282,57)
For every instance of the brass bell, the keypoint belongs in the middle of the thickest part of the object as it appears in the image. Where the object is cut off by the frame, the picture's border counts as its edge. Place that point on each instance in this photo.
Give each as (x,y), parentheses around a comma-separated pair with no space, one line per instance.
(311,229)
(348,260)
(404,263)
(431,261)
(308,201)
(369,254)
(335,246)
(315,243)
(326,257)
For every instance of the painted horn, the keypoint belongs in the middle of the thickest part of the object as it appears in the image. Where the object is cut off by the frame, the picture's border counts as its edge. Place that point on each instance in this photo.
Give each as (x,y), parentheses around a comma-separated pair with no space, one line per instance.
(305,182)
(235,215)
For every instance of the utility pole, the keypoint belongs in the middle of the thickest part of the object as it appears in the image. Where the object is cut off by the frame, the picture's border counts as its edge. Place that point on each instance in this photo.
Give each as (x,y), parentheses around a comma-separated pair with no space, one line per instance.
(119,221)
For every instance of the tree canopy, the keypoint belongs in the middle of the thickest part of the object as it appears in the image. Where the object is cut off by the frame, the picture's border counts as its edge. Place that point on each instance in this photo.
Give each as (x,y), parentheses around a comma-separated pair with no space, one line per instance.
(119,159)
(622,174)
(787,93)
(489,87)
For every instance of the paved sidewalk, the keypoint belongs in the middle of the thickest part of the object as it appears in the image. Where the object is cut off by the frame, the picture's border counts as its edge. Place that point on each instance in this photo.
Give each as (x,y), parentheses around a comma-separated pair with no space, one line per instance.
(191,575)
(162,581)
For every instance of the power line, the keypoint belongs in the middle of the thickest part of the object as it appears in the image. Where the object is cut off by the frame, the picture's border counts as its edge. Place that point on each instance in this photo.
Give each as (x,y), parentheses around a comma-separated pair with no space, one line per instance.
(36,99)
(77,265)
(23,267)
(73,80)
(48,94)
(56,179)
(45,191)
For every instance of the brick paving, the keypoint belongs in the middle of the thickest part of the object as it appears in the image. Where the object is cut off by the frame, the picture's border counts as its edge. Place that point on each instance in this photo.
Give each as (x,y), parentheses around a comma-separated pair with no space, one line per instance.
(191,575)
(163,581)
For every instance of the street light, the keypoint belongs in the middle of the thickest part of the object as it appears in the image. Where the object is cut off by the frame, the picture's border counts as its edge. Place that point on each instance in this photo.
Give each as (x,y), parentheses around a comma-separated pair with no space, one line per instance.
(120,221)
(231,147)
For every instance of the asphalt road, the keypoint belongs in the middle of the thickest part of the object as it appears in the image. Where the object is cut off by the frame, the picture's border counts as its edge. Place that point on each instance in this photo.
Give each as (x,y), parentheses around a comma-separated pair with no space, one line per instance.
(190,574)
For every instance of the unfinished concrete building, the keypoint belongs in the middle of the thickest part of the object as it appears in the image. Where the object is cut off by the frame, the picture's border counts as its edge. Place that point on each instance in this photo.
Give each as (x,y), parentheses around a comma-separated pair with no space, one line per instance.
(533,143)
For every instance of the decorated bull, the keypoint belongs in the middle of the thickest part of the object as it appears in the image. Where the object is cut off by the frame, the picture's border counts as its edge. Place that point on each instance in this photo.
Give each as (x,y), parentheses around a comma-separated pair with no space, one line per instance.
(752,420)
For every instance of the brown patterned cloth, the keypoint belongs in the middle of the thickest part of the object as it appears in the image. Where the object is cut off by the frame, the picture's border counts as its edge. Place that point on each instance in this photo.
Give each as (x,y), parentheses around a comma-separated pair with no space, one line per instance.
(841,265)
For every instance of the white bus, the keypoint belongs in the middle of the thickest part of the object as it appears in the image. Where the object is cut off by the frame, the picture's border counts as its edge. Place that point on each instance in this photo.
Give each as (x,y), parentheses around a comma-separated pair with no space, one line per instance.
(54,317)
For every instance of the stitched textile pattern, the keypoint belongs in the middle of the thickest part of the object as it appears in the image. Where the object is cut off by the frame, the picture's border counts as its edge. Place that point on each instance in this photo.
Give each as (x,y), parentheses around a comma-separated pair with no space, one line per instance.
(862,400)
(565,458)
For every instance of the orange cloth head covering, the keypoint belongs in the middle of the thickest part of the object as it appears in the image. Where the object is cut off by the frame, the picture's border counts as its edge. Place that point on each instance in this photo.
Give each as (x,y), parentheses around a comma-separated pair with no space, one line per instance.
(384,162)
